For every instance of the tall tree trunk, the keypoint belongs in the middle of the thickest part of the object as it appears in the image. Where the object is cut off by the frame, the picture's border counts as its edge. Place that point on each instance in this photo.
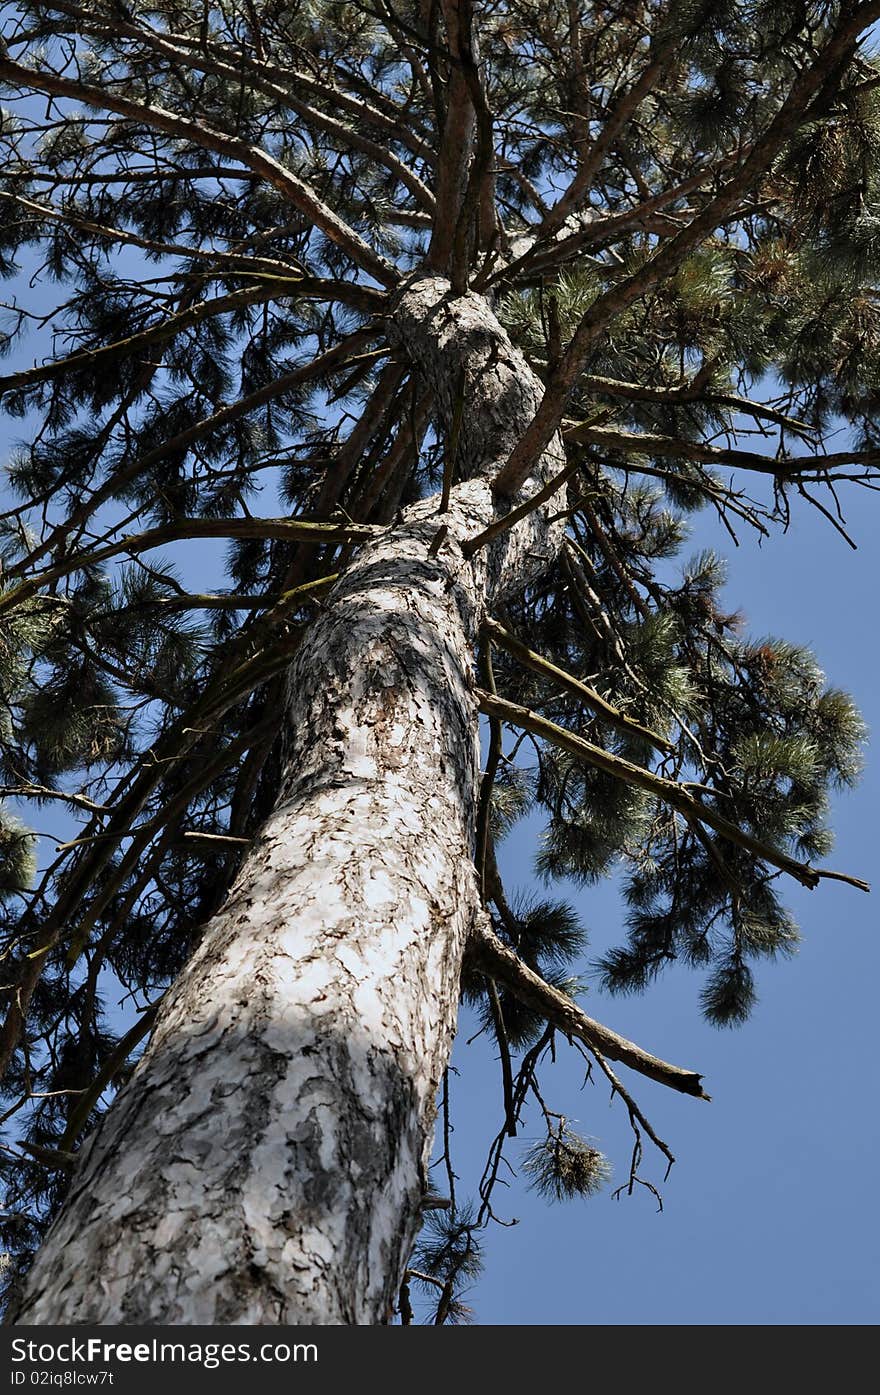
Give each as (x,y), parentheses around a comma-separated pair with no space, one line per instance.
(267,1161)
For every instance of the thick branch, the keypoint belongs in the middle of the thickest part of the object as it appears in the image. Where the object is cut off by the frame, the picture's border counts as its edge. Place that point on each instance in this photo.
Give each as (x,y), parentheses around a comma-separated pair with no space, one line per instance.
(456,145)
(505,966)
(284,529)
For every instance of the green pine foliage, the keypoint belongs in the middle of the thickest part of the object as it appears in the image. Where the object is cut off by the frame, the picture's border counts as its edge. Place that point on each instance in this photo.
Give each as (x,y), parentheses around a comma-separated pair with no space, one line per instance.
(446,1261)
(563,1166)
(17,856)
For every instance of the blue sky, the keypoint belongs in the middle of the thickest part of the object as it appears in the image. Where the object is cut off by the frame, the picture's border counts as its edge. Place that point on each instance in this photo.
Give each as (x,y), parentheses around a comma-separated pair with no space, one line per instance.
(770,1214)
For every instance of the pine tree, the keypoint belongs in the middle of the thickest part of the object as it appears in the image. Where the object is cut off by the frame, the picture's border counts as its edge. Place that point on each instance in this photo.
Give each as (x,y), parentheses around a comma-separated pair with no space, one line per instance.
(487,300)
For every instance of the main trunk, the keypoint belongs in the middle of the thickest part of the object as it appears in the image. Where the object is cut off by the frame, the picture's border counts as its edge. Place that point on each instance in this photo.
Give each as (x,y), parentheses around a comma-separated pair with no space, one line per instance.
(267,1161)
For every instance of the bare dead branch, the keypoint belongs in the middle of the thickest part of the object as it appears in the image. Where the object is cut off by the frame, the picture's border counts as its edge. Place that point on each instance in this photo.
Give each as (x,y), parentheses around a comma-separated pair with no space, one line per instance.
(504,965)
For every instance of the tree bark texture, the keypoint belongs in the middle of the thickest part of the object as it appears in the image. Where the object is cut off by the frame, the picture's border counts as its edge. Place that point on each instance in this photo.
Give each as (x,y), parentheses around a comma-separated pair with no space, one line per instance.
(267,1161)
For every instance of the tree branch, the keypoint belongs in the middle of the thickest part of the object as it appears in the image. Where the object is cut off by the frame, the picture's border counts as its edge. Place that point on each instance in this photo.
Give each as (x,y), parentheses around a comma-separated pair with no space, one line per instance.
(189,529)
(614,123)
(111,1067)
(326,363)
(691,391)
(274,86)
(672,253)
(156,334)
(783,468)
(515,515)
(668,791)
(504,965)
(538,664)
(229,262)
(293,189)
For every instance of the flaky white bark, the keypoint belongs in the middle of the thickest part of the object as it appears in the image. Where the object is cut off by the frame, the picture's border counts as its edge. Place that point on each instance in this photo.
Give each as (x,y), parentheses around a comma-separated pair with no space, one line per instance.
(267,1161)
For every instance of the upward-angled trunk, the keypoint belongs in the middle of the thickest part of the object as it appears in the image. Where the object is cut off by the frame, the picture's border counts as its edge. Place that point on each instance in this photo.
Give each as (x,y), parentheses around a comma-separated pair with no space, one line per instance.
(267,1161)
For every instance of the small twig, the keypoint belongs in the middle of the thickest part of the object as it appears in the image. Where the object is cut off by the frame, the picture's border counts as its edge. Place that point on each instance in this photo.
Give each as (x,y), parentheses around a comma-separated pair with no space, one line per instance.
(221,840)
(450,454)
(538,664)
(504,1051)
(447,1140)
(635,1113)
(530,505)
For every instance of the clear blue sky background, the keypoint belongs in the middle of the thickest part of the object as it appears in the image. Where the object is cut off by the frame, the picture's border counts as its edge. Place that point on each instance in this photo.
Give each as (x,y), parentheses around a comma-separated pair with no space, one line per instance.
(770,1214)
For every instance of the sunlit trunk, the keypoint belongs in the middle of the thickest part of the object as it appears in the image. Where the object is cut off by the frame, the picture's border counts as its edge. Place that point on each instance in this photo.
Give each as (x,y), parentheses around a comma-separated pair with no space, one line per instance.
(267,1161)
